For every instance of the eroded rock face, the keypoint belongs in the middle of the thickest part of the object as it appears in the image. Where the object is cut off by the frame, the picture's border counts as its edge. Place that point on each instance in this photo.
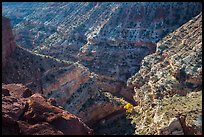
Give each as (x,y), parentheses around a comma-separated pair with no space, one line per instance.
(34,115)
(138,22)
(169,83)
(71,85)
(110,38)
(8,42)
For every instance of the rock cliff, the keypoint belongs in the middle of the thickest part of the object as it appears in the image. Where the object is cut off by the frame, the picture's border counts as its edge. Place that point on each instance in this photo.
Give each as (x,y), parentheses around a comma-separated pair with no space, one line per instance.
(168,84)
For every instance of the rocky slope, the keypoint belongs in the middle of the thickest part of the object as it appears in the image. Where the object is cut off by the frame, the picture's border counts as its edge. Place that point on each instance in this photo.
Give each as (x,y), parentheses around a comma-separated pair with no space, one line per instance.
(95,21)
(110,38)
(72,85)
(168,85)
(25,113)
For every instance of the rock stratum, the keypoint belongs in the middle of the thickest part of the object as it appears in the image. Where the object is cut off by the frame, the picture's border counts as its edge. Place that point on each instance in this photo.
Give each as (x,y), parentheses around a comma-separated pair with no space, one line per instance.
(168,86)
(89,60)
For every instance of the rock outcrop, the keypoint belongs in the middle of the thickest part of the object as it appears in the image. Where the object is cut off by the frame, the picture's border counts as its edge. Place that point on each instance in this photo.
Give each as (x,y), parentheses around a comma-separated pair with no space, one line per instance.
(25,113)
(8,42)
(168,85)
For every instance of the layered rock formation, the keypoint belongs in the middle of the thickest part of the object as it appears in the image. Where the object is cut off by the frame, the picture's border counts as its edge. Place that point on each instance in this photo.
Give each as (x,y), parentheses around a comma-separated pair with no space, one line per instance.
(25,113)
(72,85)
(110,38)
(168,85)
(96,21)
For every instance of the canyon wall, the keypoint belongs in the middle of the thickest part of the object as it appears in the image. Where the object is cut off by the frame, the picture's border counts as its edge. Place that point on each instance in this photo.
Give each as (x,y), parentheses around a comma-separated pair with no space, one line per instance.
(168,84)
(110,38)
(110,42)
(89,28)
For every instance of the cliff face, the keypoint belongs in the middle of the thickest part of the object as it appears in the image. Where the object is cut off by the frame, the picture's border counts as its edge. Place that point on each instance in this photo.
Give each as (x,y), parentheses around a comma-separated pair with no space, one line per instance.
(8,42)
(168,85)
(71,84)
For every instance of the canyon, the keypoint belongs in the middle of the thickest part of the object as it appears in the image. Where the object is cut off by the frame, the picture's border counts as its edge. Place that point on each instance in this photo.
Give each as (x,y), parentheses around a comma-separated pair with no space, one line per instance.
(91,59)
(71,84)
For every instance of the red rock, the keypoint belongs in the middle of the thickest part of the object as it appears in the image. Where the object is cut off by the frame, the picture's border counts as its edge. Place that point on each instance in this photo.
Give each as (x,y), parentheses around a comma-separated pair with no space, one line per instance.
(38,129)
(60,119)
(52,101)
(5,92)
(9,126)
(18,90)
(35,115)
(12,107)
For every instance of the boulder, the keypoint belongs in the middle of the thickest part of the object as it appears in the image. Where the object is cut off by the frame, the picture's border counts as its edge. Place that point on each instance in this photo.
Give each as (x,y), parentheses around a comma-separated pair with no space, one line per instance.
(23,114)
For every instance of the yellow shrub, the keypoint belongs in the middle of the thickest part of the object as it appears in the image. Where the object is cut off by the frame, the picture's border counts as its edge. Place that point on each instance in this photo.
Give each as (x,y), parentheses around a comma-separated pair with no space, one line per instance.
(128,107)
